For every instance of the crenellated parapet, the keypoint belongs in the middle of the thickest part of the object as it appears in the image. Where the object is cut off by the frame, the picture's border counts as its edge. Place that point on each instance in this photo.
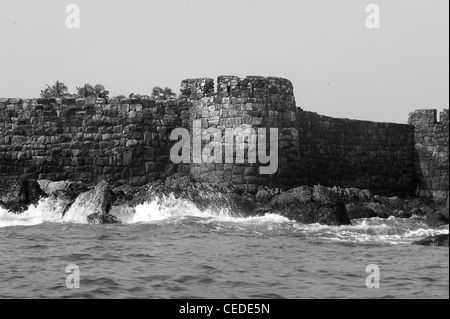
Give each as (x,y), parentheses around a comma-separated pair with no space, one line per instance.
(257,87)
(197,88)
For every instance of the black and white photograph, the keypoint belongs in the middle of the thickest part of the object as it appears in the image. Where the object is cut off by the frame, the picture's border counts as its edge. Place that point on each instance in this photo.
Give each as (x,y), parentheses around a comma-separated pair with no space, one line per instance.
(221,155)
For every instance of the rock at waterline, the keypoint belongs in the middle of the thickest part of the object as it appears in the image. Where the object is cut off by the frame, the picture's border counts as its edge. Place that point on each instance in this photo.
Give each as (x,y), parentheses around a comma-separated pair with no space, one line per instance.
(440,217)
(445,211)
(311,205)
(65,191)
(17,194)
(439,240)
(95,205)
(436,219)
(357,210)
(203,194)
(178,180)
(99,218)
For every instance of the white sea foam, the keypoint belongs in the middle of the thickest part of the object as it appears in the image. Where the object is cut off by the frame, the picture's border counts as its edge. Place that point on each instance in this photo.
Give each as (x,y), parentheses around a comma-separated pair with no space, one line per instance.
(46,210)
(171,208)
(375,230)
(167,210)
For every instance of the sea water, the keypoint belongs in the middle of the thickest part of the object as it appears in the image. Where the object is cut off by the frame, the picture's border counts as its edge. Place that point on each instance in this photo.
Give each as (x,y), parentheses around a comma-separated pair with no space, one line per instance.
(169,248)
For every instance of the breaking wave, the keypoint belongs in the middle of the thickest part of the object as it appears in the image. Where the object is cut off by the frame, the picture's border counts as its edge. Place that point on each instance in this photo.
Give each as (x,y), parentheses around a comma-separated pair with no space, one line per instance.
(169,210)
(46,210)
(375,230)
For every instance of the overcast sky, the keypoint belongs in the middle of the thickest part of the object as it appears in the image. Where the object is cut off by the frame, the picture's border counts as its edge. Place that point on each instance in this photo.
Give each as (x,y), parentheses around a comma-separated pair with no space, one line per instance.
(337,65)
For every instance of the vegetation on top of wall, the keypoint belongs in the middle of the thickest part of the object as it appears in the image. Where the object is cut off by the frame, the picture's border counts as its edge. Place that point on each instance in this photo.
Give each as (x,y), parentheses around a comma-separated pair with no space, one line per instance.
(97,91)
(59,89)
(159,93)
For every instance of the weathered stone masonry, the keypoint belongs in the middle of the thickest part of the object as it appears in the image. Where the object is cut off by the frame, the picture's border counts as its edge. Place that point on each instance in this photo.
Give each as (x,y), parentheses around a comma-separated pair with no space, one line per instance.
(352,153)
(127,141)
(123,141)
(431,147)
(252,102)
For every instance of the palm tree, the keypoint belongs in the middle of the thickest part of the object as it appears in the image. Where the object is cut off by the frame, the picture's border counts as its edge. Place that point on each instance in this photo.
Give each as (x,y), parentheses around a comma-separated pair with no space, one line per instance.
(56,90)
(93,91)
(86,91)
(169,93)
(100,91)
(158,93)
(60,88)
(46,94)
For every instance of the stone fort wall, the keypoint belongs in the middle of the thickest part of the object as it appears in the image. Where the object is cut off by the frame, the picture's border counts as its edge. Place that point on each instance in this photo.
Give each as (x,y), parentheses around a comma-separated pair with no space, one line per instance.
(351,153)
(127,141)
(431,152)
(123,141)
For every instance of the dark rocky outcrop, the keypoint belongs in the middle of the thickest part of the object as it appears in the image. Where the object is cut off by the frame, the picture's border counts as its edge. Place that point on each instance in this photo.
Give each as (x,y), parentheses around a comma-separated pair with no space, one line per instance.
(125,194)
(265,194)
(311,205)
(65,191)
(17,194)
(204,194)
(356,211)
(436,219)
(178,180)
(358,204)
(352,194)
(318,204)
(439,240)
(437,216)
(96,204)
(445,210)
(99,218)
(362,204)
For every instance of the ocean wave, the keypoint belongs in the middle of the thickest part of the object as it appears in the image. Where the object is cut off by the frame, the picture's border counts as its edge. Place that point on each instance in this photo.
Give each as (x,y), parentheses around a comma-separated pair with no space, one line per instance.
(169,210)
(374,230)
(46,210)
